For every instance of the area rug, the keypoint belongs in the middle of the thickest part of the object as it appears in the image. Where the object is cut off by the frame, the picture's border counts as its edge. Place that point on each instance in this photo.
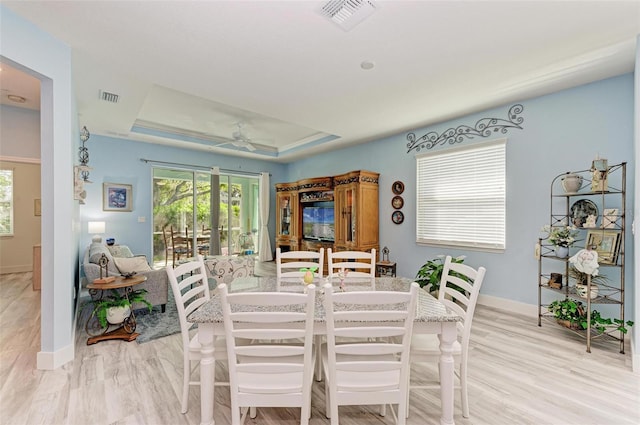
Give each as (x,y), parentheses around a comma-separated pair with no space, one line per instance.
(155,324)
(149,324)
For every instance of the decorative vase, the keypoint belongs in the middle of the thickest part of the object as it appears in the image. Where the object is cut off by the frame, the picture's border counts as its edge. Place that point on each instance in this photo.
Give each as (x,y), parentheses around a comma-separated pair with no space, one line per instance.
(571,183)
(581,290)
(116,315)
(561,251)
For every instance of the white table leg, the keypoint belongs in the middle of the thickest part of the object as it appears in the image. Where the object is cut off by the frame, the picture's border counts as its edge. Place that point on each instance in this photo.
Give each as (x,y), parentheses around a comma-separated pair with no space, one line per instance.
(447,338)
(207,373)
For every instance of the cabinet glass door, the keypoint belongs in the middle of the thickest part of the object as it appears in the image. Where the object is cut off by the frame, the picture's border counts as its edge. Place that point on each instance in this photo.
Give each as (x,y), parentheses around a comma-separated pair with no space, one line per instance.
(284,215)
(347,215)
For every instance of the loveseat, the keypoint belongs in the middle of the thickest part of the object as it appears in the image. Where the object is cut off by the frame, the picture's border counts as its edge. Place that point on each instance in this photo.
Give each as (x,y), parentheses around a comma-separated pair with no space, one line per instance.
(224,268)
(121,260)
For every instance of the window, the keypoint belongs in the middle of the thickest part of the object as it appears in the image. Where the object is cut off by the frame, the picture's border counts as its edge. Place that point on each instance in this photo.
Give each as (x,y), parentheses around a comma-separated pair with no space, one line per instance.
(461,196)
(6,202)
(182,201)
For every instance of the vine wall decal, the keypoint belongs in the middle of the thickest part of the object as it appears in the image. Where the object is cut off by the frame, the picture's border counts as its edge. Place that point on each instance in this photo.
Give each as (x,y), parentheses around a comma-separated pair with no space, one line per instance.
(484,127)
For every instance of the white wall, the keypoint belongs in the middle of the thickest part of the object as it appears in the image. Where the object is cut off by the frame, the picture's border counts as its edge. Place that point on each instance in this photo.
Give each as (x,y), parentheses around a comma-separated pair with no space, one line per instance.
(636,216)
(30,49)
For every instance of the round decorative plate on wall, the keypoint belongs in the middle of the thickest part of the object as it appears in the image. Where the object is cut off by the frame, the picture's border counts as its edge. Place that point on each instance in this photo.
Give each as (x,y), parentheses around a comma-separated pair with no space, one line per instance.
(397,202)
(398,187)
(397,217)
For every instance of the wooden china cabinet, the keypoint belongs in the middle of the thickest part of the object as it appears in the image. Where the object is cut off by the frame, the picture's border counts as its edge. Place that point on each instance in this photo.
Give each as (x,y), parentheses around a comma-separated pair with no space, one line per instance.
(353,201)
(356,211)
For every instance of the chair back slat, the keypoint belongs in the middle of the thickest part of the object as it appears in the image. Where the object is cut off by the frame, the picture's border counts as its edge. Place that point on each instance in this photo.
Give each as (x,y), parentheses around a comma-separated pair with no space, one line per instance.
(458,275)
(288,264)
(190,289)
(275,368)
(458,290)
(358,263)
(367,350)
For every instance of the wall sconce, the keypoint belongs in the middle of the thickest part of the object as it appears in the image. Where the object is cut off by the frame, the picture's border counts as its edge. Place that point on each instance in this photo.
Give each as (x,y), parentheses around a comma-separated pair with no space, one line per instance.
(96,228)
(84,154)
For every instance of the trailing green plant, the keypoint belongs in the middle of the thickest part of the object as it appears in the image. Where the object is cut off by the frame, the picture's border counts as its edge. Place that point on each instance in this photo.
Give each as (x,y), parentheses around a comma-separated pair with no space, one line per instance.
(602,323)
(574,312)
(115,299)
(430,273)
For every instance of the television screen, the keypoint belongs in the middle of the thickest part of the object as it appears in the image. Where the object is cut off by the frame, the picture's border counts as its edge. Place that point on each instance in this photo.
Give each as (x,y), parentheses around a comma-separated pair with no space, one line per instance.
(318,222)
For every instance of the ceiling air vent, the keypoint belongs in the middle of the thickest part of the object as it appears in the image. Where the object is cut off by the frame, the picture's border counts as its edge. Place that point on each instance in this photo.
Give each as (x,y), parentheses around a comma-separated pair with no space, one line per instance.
(348,13)
(108,97)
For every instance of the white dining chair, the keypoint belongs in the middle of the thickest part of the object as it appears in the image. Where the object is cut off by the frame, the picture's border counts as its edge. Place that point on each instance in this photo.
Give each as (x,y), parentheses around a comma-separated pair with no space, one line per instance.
(288,264)
(190,290)
(366,357)
(360,264)
(459,289)
(277,371)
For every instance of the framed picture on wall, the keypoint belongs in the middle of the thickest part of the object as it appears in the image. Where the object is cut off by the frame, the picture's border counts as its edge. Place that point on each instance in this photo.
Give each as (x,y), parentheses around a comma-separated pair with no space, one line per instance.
(117,197)
(606,243)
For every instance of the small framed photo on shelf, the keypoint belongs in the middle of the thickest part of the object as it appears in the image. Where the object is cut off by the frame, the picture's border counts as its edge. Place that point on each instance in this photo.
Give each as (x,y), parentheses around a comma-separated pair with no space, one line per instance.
(606,243)
(609,218)
(117,197)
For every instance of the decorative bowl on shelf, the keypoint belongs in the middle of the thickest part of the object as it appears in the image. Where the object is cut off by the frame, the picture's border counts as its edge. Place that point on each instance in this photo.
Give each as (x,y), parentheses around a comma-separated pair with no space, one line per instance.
(571,183)
(128,275)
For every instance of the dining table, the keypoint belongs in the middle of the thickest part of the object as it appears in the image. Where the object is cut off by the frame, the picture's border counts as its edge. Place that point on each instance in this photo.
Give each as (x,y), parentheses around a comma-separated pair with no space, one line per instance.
(431,318)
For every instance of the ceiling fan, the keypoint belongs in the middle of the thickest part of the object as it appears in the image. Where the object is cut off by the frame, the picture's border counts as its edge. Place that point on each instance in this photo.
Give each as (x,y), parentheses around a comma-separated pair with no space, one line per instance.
(240,139)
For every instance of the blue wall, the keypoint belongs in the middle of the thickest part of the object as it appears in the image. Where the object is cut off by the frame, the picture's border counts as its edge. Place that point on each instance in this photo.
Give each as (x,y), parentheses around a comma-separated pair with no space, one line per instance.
(33,51)
(561,132)
(118,161)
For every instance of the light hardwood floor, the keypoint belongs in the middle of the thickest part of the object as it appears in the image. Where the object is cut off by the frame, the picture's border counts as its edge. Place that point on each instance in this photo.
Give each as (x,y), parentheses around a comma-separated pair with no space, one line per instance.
(519,374)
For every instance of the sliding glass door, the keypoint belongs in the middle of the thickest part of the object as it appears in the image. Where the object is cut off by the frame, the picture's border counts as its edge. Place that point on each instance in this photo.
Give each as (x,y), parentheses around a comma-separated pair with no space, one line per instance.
(217,214)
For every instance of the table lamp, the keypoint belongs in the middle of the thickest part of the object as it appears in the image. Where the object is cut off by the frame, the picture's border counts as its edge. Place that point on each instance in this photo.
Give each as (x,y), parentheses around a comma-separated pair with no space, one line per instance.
(96,228)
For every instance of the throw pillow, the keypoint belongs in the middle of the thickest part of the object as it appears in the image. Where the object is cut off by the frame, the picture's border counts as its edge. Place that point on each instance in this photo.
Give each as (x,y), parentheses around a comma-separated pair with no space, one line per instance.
(120,251)
(134,264)
(95,252)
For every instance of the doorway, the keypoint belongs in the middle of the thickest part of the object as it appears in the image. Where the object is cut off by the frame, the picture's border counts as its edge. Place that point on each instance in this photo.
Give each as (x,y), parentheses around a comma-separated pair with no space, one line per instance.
(184,206)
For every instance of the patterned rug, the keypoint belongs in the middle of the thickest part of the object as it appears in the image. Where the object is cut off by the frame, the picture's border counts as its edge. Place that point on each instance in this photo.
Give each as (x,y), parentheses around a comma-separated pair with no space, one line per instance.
(150,325)
(155,324)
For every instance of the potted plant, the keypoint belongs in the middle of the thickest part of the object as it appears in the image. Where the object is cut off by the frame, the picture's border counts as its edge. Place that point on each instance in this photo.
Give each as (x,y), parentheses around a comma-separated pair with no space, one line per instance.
(562,238)
(115,307)
(430,273)
(567,312)
(571,314)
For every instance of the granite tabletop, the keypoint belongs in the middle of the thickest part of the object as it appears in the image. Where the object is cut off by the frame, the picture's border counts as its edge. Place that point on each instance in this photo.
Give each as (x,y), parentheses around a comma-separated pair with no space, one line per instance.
(429,308)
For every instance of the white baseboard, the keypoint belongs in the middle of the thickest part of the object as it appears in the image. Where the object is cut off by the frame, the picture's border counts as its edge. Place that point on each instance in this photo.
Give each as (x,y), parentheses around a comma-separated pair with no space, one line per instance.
(531,310)
(50,360)
(509,305)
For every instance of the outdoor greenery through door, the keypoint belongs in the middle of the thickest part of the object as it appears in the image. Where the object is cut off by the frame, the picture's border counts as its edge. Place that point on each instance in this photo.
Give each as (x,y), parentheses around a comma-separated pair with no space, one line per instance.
(176,192)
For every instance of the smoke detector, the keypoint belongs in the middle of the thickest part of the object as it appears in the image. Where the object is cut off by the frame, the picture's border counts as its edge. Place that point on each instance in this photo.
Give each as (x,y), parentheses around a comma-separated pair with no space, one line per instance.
(348,13)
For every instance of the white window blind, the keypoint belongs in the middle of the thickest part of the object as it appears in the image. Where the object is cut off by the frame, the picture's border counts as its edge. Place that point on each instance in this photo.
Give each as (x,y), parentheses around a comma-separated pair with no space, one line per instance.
(461,196)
